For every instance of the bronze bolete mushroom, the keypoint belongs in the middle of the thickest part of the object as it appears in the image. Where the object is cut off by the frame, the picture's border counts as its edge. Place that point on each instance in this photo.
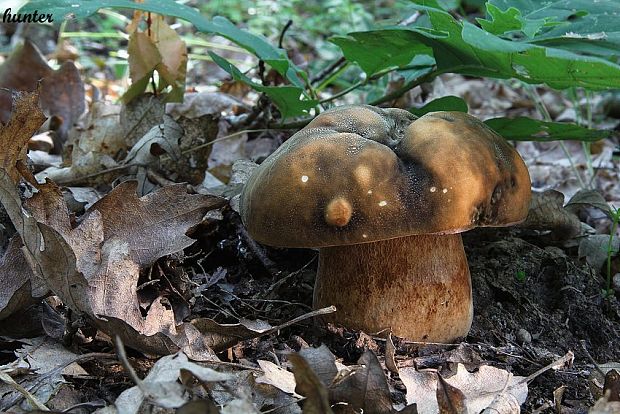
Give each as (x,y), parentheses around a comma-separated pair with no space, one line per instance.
(384,196)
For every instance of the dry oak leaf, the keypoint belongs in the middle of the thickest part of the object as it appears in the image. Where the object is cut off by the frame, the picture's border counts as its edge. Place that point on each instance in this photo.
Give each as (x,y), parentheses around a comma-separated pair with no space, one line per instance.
(94,267)
(153,225)
(15,274)
(23,69)
(25,120)
(481,389)
(62,91)
(94,144)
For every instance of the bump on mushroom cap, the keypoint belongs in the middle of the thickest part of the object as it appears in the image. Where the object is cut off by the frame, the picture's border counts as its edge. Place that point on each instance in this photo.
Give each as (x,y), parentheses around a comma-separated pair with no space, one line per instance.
(398,175)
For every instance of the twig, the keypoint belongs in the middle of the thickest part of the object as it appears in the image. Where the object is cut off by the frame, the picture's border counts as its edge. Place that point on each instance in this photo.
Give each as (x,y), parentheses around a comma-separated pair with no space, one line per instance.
(328,70)
(569,357)
(258,251)
(284,29)
(122,356)
(6,378)
(318,312)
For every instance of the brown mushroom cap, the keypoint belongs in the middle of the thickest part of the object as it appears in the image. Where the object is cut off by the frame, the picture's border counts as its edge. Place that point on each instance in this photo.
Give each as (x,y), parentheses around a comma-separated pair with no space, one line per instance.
(358,174)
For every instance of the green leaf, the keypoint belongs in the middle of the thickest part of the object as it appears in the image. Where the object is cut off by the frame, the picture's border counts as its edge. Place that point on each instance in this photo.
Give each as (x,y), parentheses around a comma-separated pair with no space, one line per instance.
(288,99)
(528,129)
(445,103)
(502,22)
(378,50)
(582,26)
(254,44)
(464,48)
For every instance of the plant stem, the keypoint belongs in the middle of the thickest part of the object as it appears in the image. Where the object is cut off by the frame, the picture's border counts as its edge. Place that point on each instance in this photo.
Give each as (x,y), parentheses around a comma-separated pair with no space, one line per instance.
(540,105)
(614,226)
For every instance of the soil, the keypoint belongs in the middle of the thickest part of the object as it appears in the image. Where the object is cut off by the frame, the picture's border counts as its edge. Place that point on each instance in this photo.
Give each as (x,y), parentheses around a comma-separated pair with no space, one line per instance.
(532,302)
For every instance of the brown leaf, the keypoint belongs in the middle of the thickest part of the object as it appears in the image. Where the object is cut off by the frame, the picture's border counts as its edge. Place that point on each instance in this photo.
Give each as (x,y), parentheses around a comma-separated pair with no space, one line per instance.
(390,353)
(173,52)
(143,56)
(140,115)
(451,400)
(322,362)
(310,386)
(21,72)
(15,274)
(62,95)
(587,198)
(366,389)
(153,225)
(26,118)
(94,144)
(547,213)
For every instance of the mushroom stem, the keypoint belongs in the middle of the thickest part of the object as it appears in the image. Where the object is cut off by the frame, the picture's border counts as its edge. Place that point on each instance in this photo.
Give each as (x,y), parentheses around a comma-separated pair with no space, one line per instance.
(419,286)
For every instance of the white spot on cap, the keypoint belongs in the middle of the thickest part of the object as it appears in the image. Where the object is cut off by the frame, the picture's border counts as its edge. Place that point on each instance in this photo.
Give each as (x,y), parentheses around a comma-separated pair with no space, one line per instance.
(369,191)
(365,235)
(304,178)
(445,190)
(382,203)
(433,189)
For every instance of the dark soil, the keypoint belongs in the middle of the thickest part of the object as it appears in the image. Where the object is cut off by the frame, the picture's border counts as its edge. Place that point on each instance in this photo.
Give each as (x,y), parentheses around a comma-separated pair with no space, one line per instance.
(533,303)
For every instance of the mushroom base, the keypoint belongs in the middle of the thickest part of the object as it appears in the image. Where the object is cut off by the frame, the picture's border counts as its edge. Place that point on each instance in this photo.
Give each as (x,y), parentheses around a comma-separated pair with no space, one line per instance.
(419,286)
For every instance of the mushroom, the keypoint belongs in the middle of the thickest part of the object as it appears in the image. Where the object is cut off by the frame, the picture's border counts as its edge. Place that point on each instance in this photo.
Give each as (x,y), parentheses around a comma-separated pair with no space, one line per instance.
(384,196)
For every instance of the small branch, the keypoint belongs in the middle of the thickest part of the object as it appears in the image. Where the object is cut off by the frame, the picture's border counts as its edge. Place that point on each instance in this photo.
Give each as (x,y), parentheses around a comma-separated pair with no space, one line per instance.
(318,312)
(328,70)
(286,27)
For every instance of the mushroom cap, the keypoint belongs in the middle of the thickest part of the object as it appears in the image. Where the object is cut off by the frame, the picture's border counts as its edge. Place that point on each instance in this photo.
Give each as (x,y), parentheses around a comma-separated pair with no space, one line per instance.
(358,174)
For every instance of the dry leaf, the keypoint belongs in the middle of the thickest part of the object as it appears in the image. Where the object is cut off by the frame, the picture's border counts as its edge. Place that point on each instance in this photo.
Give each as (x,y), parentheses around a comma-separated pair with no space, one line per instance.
(140,115)
(49,360)
(450,399)
(276,376)
(587,198)
(595,249)
(26,118)
(93,145)
(605,406)
(161,386)
(481,388)
(13,76)
(15,274)
(62,96)
(322,362)
(94,268)
(310,386)
(547,213)
(366,389)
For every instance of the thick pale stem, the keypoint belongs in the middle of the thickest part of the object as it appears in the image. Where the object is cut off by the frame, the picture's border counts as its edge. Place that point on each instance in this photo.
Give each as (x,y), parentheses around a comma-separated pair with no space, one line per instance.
(419,286)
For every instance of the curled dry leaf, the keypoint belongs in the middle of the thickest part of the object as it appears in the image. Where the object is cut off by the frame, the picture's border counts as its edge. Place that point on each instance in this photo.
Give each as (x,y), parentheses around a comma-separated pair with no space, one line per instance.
(481,388)
(26,118)
(366,389)
(162,388)
(14,77)
(547,213)
(62,96)
(310,386)
(94,267)
(102,257)
(94,144)
(160,49)
(276,376)
(596,248)
(140,115)
(15,274)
